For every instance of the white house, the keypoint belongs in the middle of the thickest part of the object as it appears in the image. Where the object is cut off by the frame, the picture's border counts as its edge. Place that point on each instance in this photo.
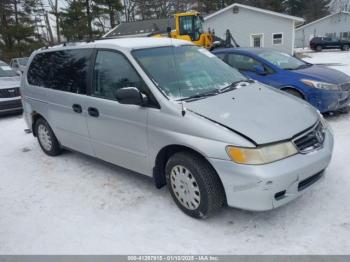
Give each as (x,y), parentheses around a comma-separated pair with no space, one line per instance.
(334,25)
(255,27)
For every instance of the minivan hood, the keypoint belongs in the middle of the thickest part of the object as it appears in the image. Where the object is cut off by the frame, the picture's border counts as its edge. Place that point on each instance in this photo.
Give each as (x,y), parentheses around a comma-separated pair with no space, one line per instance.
(9,82)
(324,74)
(260,113)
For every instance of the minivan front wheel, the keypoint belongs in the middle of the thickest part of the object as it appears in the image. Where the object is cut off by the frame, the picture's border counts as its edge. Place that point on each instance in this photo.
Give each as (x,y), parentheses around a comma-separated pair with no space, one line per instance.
(346,47)
(194,185)
(46,138)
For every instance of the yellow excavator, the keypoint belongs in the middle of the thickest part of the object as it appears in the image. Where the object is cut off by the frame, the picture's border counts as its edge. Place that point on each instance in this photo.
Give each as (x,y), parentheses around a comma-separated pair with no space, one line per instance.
(186,26)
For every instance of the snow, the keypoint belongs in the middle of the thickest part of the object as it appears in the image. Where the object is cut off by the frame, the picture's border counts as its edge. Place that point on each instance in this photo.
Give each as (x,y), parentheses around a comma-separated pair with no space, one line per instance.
(335,59)
(76,204)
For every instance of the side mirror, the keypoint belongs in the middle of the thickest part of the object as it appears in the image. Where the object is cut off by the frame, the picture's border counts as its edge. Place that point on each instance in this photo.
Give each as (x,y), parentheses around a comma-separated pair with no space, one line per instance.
(131,96)
(260,70)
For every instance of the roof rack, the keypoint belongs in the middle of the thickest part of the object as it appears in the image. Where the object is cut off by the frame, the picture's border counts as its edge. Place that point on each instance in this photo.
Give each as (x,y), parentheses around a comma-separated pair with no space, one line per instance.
(77,42)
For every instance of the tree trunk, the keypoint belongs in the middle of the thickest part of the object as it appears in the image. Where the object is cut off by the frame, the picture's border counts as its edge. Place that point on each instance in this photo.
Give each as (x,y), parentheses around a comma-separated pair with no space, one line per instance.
(87,4)
(111,15)
(57,22)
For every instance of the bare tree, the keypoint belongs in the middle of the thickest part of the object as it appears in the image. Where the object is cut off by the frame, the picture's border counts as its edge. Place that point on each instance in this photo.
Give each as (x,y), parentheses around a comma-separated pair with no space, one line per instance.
(339,5)
(56,12)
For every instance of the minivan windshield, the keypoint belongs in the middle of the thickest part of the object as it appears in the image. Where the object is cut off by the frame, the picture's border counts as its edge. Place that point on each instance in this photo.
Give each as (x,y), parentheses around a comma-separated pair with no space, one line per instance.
(283,60)
(184,72)
(6,71)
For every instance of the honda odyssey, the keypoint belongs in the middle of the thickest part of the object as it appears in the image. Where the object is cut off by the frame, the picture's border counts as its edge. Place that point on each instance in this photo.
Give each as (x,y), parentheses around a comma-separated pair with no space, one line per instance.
(175,112)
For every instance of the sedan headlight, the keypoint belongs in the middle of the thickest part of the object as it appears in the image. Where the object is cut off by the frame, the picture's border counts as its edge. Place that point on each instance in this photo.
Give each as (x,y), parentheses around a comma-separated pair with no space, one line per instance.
(261,155)
(321,85)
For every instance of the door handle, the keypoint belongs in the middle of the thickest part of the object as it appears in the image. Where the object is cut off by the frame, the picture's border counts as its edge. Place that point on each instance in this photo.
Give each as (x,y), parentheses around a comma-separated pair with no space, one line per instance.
(77,108)
(93,112)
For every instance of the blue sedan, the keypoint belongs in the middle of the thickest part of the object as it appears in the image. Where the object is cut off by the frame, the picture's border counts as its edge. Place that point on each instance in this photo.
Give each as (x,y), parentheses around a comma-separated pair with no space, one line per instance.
(325,88)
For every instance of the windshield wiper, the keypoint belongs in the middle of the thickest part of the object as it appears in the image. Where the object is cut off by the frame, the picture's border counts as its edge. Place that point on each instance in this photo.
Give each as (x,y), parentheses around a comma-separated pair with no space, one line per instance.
(234,85)
(200,96)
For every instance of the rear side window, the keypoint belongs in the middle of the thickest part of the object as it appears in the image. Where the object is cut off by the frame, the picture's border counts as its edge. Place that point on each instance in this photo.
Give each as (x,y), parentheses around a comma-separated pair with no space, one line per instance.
(61,70)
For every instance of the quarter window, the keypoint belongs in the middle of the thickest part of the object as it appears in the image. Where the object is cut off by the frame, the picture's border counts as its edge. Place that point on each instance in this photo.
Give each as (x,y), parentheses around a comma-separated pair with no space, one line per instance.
(61,70)
(277,39)
(112,72)
(38,70)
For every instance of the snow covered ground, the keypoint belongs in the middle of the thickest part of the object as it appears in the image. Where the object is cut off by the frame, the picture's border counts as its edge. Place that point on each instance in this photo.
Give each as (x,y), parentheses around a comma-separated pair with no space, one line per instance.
(75,204)
(335,59)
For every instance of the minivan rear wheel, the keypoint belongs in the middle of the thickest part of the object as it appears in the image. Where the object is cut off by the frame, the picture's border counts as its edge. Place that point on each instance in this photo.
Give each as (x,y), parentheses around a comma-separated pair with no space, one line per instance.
(46,138)
(194,185)
(345,47)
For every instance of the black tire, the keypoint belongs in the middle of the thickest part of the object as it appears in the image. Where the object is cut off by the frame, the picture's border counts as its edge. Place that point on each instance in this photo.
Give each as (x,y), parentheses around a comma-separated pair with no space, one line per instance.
(345,47)
(294,92)
(212,194)
(55,148)
(319,48)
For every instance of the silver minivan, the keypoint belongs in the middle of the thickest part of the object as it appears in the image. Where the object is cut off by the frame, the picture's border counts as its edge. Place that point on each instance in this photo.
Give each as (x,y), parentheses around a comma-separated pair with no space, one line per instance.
(173,111)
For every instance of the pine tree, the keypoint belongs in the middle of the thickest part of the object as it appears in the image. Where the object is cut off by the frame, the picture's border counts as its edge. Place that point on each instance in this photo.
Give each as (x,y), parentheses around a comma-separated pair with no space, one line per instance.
(17,27)
(74,21)
(315,9)
(294,7)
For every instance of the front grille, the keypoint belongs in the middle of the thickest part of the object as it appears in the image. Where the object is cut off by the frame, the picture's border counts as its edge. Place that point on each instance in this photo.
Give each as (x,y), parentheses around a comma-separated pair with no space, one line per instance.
(7,105)
(345,86)
(9,92)
(309,181)
(312,140)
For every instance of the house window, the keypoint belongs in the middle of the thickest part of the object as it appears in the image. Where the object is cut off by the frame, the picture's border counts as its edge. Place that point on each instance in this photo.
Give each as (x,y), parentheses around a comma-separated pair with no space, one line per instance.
(345,35)
(331,35)
(257,40)
(277,39)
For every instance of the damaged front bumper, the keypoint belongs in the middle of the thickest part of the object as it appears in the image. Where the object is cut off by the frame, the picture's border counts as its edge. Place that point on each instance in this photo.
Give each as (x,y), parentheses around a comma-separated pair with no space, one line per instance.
(265,187)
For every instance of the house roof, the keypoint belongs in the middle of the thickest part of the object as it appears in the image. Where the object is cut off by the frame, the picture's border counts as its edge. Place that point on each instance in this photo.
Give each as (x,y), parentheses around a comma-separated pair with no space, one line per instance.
(142,28)
(324,18)
(294,18)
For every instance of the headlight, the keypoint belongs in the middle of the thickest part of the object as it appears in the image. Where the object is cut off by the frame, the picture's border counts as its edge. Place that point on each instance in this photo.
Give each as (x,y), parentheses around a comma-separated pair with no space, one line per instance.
(323,120)
(325,123)
(321,85)
(261,155)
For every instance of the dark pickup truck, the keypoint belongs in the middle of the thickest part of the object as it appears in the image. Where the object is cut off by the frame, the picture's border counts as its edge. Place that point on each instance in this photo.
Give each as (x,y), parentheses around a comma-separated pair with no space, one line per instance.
(320,43)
